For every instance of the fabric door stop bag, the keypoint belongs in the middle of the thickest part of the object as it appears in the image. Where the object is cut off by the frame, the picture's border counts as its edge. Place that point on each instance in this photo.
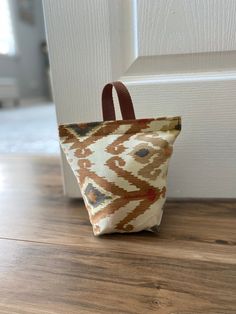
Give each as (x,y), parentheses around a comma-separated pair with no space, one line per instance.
(121,165)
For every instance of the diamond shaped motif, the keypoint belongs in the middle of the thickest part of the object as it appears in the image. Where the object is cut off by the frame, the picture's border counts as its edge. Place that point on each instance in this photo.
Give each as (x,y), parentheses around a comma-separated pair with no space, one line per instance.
(94,196)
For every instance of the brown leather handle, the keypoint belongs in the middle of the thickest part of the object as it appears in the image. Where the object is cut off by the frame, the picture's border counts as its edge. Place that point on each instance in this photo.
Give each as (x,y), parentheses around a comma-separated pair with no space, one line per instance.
(126,105)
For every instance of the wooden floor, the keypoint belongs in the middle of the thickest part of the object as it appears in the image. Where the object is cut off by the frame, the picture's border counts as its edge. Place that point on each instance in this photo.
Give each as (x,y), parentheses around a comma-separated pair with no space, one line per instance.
(50,262)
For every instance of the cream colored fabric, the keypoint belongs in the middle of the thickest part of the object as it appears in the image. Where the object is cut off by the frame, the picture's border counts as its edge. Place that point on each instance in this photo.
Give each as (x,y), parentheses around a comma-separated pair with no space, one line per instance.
(121,167)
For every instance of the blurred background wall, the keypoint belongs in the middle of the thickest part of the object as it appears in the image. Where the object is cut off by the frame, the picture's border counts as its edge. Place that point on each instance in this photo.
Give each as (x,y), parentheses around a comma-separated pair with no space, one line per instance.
(27,112)
(27,66)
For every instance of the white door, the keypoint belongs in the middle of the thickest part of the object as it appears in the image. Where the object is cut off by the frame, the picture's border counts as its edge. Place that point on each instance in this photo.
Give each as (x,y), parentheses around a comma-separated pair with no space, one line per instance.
(177,57)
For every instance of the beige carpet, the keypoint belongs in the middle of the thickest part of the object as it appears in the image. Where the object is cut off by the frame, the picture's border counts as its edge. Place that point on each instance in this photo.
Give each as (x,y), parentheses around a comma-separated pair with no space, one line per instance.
(29,130)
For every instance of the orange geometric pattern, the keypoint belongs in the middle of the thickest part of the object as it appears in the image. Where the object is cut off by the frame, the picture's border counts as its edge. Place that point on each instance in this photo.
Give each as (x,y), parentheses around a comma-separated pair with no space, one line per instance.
(121,168)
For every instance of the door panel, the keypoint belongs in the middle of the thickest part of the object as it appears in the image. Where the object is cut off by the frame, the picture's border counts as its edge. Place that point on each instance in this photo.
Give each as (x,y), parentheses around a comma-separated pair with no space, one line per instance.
(177,58)
(181,26)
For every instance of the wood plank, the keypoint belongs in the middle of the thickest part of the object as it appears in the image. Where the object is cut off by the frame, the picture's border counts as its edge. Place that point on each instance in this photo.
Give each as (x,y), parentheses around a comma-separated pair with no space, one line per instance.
(50,262)
(72,279)
(39,204)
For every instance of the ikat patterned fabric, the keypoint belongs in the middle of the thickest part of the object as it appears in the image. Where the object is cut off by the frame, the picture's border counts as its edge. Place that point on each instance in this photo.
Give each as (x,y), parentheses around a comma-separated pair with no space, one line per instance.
(121,168)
